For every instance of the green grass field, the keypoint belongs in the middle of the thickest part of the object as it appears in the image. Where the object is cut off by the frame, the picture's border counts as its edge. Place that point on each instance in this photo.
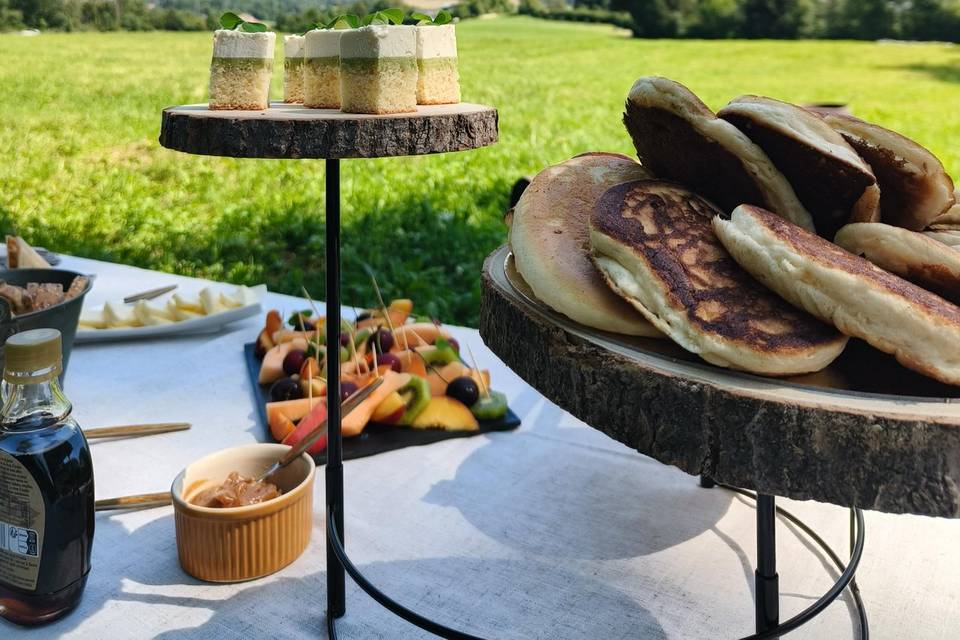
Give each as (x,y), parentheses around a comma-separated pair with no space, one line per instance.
(82,171)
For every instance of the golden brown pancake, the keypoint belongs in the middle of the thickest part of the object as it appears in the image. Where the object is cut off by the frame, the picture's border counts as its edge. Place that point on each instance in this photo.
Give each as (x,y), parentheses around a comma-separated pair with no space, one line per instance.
(920,329)
(679,138)
(549,236)
(950,219)
(949,237)
(654,243)
(909,254)
(914,188)
(831,180)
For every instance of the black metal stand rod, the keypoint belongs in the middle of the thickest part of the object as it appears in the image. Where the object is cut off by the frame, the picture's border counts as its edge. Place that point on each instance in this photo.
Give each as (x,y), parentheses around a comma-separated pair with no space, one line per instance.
(336,586)
(766,580)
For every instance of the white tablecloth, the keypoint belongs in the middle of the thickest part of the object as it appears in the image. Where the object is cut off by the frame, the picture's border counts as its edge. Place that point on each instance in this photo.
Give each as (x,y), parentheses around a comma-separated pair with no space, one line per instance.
(552,531)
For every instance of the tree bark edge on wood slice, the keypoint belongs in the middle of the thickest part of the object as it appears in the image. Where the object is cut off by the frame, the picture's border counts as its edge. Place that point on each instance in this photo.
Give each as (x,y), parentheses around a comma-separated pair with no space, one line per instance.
(274,136)
(896,464)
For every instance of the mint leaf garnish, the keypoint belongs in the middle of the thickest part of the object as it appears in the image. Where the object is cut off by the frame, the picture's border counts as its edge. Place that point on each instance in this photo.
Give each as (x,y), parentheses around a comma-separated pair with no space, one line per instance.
(393,15)
(421,18)
(230,20)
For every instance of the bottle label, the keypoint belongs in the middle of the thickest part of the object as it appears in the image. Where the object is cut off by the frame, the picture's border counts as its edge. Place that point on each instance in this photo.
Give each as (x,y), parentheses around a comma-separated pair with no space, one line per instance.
(21,525)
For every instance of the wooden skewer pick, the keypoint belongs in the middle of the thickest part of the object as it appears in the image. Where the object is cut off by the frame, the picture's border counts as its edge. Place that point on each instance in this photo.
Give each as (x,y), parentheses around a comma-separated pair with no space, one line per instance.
(135,430)
(483,385)
(139,501)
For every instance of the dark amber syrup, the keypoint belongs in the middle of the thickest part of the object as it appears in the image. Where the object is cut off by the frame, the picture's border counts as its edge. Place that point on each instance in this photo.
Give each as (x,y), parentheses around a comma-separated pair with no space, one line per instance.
(58,458)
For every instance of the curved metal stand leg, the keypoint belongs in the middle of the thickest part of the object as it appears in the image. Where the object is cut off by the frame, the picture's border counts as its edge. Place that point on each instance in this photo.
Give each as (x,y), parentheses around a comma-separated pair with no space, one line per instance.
(386,601)
(846,579)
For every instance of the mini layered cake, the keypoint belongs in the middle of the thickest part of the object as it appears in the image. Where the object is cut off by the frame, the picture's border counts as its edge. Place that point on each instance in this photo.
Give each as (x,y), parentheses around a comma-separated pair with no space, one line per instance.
(321,70)
(241,69)
(438,81)
(293,47)
(378,69)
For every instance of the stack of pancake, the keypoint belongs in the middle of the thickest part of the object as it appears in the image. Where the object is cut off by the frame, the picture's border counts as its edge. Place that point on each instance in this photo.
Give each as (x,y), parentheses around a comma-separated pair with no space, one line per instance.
(760,237)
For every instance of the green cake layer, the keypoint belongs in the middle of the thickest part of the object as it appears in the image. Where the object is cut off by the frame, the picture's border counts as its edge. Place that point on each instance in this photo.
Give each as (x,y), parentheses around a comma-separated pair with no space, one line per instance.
(437,65)
(252,64)
(377,65)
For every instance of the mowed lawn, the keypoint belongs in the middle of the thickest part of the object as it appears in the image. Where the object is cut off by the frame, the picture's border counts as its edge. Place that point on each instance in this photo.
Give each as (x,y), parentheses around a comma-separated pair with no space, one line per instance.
(82,171)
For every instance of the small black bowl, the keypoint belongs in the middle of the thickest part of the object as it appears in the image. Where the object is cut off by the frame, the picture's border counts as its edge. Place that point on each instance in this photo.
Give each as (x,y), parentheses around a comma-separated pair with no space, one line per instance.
(64,316)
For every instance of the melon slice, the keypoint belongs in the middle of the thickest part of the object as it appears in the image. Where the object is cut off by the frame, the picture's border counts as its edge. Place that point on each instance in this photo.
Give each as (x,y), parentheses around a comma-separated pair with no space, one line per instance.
(418,334)
(310,422)
(271,369)
(353,423)
(412,363)
(293,409)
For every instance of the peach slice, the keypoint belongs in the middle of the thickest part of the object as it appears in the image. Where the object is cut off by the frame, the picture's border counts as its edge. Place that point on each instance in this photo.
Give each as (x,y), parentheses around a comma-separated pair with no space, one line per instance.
(310,422)
(390,410)
(446,413)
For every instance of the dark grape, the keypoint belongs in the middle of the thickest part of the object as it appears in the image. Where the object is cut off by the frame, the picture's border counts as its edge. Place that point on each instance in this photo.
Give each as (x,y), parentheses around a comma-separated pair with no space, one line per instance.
(347,389)
(453,343)
(285,389)
(390,360)
(464,389)
(344,339)
(293,361)
(383,340)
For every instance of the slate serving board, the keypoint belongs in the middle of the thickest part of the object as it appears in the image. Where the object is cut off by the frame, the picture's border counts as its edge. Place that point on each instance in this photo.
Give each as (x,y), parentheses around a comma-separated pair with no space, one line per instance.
(376,438)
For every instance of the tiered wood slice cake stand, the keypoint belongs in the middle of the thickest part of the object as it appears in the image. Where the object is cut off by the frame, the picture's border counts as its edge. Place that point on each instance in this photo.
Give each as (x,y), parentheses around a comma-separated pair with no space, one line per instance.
(865,434)
(292,132)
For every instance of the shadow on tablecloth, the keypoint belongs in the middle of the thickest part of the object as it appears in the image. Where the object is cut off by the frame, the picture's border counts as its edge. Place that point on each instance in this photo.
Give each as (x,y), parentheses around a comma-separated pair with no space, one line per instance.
(503,599)
(567,492)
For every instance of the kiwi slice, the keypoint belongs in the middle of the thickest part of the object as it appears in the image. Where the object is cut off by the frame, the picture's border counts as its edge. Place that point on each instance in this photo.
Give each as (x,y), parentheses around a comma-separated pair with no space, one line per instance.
(490,407)
(416,395)
(361,338)
(440,355)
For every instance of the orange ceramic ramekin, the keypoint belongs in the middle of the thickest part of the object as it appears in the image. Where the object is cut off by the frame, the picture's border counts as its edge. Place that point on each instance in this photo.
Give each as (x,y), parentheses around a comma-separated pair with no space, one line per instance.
(243,543)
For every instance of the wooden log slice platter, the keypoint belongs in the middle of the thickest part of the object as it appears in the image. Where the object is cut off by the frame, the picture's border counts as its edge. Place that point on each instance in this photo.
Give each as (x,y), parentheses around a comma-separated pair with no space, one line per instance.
(293,131)
(865,432)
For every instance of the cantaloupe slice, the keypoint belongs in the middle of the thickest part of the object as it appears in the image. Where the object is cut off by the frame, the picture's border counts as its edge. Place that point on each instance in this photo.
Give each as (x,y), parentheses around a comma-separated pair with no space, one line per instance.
(286,335)
(281,426)
(412,363)
(271,369)
(293,409)
(418,334)
(354,422)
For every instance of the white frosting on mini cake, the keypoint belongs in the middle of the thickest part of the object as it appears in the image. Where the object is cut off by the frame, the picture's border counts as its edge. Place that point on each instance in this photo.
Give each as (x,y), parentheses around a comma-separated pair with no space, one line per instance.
(323,43)
(379,41)
(240,44)
(436,41)
(293,46)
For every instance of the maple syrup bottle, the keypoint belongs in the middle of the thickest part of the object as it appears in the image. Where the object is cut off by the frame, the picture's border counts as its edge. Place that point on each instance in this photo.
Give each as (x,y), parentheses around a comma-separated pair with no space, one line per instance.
(46,486)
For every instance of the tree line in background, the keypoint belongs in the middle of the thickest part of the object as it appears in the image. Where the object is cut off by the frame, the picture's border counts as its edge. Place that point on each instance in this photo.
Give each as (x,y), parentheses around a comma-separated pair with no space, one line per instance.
(776,19)
(784,19)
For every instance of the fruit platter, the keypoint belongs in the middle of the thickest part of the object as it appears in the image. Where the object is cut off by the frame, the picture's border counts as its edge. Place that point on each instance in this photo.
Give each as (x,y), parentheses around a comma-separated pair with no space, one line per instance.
(430,391)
